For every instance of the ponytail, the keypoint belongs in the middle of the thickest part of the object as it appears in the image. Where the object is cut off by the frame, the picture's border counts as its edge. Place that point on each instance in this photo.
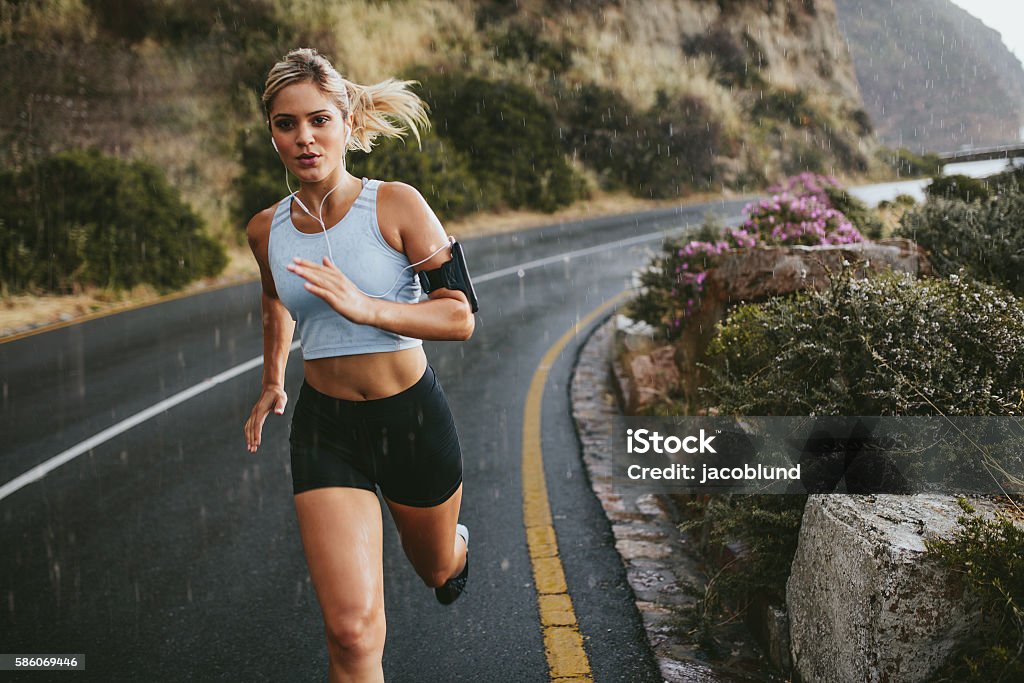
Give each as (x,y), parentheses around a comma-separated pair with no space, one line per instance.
(388,108)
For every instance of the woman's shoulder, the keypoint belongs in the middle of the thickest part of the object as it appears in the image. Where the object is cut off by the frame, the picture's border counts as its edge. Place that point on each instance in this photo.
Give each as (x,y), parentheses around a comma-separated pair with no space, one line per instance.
(399,203)
(259,225)
(398,193)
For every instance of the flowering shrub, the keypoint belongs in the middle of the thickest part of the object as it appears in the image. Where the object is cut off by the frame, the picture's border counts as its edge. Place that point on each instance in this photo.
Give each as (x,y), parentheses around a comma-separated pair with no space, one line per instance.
(798,219)
(806,183)
(798,213)
(693,262)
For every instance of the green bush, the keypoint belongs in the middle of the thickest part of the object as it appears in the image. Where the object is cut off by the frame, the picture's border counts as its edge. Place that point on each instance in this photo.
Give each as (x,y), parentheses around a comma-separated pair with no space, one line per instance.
(957,186)
(508,136)
(799,212)
(908,164)
(789,106)
(767,528)
(439,171)
(888,345)
(262,181)
(985,238)
(601,130)
(520,41)
(861,119)
(1008,181)
(735,60)
(82,218)
(988,556)
(673,285)
(183,22)
(661,152)
(676,148)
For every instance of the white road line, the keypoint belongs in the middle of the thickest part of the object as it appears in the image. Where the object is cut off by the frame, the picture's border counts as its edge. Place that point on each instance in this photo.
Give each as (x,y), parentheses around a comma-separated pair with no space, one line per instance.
(44,468)
(514,270)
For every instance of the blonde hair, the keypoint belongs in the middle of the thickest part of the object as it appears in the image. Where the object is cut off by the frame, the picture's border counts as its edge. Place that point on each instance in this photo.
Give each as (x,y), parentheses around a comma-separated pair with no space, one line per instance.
(388,108)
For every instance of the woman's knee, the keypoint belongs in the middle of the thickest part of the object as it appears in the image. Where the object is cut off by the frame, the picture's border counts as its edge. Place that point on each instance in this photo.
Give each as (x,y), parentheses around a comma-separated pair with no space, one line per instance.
(356,633)
(435,575)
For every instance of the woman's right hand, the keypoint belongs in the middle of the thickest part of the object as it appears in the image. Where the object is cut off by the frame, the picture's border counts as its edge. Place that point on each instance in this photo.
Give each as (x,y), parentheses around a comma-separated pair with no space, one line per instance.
(272,398)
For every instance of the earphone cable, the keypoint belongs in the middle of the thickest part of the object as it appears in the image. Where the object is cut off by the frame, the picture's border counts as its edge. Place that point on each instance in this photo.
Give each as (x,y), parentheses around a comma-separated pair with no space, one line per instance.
(331,254)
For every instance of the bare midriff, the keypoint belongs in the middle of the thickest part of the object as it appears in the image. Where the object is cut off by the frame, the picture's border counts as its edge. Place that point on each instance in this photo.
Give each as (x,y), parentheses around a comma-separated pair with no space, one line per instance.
(366,376)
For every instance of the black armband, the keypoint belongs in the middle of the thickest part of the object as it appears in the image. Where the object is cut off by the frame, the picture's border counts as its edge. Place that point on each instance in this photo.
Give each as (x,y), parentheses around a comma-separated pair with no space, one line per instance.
(452,275)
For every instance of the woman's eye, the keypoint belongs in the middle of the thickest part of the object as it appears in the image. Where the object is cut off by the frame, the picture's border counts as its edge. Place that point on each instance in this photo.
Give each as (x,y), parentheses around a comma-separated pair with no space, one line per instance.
(284,125)
(321,119)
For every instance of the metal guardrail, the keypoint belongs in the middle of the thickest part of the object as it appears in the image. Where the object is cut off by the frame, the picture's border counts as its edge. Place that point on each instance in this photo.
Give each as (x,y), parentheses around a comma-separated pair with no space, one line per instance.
(984,153)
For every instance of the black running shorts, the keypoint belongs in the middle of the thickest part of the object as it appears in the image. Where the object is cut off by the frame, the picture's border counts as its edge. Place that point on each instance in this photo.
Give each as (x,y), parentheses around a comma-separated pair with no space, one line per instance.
(406,443)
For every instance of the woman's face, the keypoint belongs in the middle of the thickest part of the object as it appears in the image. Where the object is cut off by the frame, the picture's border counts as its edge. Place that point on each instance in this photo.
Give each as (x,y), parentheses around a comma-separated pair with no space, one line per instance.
(309,132)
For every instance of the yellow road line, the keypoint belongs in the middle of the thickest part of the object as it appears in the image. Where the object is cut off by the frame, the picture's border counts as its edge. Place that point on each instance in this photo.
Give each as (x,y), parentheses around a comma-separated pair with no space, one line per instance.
(124,309)
(563,642)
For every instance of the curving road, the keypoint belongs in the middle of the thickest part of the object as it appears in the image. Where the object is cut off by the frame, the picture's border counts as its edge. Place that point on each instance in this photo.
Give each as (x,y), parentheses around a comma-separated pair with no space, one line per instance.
(167,551)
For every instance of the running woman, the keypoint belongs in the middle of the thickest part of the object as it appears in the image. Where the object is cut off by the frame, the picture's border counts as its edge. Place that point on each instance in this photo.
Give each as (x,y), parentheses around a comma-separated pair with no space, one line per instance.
(337,258)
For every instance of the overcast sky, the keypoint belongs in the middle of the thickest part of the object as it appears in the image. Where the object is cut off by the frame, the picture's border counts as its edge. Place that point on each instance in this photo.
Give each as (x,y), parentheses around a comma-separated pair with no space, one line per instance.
(1001,15)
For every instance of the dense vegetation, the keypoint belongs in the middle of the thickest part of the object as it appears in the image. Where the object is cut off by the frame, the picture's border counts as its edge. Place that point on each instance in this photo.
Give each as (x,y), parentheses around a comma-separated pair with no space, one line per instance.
(81,218)
(885,345)
(888,345)
(522,116)
(963,229)
(986,557)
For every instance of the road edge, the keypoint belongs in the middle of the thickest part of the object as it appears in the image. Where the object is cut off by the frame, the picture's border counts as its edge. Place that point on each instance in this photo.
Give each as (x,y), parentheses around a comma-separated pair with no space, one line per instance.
(661,571)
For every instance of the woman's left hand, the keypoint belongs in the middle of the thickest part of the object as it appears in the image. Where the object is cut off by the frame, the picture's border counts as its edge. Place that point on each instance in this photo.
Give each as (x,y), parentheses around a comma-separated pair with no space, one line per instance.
(334,287)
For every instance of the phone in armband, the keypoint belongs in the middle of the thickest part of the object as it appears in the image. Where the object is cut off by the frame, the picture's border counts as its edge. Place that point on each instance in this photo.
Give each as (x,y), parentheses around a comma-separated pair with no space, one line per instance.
(453,274)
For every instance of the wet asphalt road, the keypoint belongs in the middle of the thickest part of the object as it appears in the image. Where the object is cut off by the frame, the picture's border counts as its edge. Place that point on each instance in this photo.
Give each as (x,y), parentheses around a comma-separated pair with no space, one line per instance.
(171,553)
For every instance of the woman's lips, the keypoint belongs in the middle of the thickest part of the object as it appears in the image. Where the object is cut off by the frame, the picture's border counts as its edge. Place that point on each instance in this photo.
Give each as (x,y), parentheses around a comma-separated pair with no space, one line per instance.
(309,162)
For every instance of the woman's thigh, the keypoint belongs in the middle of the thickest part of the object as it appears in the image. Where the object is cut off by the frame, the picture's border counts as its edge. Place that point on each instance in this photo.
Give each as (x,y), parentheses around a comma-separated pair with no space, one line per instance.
(341,536)
(428,533)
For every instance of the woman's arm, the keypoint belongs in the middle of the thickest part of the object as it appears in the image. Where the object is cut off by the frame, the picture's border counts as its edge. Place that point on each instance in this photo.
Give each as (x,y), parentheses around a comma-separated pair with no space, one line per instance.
(446,316)
(278,328)
(410,226)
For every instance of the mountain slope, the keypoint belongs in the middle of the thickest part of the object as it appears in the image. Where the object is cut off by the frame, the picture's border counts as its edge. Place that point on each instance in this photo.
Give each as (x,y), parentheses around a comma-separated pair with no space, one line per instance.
(933,77)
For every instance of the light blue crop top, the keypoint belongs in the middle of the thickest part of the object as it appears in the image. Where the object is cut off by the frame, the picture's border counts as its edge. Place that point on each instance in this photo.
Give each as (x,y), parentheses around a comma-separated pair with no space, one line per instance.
(363,255)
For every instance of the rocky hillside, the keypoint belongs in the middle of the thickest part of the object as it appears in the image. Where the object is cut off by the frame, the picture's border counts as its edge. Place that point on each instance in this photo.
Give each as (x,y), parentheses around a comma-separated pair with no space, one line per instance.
(658,98)
(933,77)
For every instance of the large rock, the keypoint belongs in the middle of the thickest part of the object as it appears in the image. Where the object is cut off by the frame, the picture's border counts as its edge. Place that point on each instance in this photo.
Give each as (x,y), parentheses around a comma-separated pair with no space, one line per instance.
(655,376)
(865,601)
(756,274)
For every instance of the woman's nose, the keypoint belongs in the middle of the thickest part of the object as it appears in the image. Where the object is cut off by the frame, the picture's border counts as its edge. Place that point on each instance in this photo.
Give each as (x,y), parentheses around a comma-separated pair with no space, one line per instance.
(304,135)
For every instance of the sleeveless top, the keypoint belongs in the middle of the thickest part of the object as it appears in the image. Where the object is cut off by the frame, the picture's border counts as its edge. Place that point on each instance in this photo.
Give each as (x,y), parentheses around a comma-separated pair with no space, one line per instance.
(362,254)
